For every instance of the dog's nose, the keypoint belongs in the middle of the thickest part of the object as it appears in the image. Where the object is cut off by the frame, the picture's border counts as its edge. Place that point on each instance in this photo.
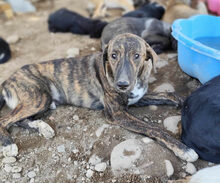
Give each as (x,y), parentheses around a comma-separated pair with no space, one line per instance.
(123,85)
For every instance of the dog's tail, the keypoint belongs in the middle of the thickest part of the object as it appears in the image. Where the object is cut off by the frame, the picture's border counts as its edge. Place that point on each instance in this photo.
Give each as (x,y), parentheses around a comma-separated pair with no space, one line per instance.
(2,100)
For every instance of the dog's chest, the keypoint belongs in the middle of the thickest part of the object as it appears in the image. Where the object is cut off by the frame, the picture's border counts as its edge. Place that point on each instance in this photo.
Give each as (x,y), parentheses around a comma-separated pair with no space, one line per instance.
(136,94)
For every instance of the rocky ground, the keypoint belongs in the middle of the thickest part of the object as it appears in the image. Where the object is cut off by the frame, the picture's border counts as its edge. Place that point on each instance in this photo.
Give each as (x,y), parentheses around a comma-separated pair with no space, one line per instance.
(85,147)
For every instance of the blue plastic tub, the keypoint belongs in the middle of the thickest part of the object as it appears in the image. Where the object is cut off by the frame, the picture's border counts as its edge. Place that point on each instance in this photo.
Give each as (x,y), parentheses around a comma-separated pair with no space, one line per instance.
(197,59)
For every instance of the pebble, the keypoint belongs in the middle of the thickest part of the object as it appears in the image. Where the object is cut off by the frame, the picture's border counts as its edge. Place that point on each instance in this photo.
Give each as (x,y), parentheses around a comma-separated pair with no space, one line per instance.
(13,39)
(10,150)
(31,174)
(153,107)
(120,160)
(61,149)
(94,159)
(165,87)
(152,79)
(16,169)
(89,173)
(75,163)
(93,49)
(75,117)
(171,55)
(8,160)
(44,129)
(72,52)
(101,129)
(161,63)
(169,168)
(171,123)
(100,167)
(16,175)
(7,168)
(32,180)
(190,168)
(147,140)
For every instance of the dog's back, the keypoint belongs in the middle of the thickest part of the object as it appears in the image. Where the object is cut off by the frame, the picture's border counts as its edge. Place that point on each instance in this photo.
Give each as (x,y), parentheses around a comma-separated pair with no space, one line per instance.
(201,121)
(67,81)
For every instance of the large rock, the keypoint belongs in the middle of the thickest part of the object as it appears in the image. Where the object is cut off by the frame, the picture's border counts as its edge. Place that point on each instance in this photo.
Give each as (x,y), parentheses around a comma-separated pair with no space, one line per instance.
(141,157)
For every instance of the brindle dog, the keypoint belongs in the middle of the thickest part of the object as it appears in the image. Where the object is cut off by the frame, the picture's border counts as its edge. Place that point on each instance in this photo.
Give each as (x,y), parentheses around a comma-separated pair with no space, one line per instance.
(110,80)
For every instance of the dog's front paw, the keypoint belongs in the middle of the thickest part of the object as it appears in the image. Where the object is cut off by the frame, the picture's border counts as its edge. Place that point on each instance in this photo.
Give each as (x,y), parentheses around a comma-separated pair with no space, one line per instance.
(43,128)
(10,150)
(189,155)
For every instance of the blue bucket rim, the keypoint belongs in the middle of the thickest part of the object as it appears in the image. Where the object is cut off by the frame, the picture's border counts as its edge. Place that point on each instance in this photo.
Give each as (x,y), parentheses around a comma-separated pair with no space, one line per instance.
(191,43)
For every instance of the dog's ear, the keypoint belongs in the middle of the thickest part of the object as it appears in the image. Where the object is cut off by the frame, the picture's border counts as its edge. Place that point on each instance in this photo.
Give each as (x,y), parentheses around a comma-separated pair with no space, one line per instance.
(151,55)
(105,57)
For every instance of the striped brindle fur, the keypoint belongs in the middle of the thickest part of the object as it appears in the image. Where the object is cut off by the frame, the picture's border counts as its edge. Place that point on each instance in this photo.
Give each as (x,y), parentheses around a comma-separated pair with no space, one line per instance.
(110,80)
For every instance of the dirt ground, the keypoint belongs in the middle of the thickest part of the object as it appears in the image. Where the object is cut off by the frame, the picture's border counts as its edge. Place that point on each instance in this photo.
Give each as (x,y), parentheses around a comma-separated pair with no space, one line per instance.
(64,158)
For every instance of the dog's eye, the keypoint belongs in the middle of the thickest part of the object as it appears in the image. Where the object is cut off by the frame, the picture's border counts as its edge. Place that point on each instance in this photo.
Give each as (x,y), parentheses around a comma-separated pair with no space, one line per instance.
(114,56)
(136,56)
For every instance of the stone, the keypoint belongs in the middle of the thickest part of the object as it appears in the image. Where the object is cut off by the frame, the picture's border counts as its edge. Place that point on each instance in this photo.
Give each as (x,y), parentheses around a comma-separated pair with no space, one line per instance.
(207,175)
(153,107)
(61,149)
(72,52)
(100,167)
(190,168)
(165,87)
(8,160)
(89,173)
(10,150)
(152,79)
(147,140)
(31,174)
(141,157)
(161,63)
(75,117)
(94,159)
(7,168)
(44,129)
(101,129)
(16,175)
(169,168)
(13,39)
(171,123)
(16,169)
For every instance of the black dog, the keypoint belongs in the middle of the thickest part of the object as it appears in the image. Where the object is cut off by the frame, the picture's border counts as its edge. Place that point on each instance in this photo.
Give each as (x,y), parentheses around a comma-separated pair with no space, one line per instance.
(64,20)
(201,121)
(5,53)
(153,10)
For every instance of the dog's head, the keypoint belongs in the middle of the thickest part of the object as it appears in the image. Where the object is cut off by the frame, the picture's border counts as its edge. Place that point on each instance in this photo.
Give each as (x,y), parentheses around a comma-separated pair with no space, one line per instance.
(126,58)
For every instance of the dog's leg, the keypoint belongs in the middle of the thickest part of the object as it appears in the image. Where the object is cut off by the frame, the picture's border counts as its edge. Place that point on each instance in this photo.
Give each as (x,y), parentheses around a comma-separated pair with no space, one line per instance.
(22,111)
(153,131)
(168,98)
(40,126)
(100,10)
(118,114)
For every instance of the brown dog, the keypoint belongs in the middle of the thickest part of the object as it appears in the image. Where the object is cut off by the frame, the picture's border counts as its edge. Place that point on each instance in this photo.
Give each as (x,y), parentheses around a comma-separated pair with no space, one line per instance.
(102,5)
(112,80)
(182,9)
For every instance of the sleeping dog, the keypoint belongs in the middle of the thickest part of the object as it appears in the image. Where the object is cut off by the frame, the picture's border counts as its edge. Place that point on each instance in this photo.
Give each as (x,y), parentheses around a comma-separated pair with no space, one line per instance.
(111,80)
(64,20)
(180,9)
(201,121)
(5,52)
(155,32)
(153,10)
